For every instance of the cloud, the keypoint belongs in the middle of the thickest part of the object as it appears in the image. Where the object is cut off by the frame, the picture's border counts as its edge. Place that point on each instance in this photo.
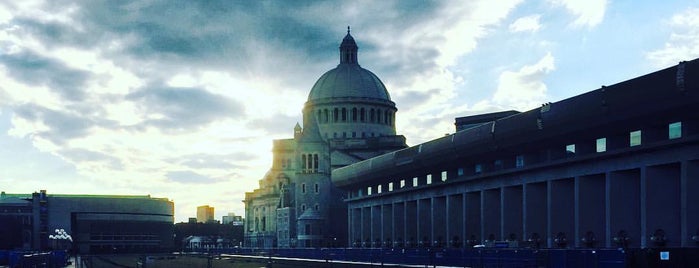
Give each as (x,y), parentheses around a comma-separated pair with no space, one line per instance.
(526,24)
(212,161)
(413,98)
(683,43)
(588,13)
(277,124)
(187,176)
(79,155)
(524,89)
(33,69)
(195,91)
(55,126)
(173,108)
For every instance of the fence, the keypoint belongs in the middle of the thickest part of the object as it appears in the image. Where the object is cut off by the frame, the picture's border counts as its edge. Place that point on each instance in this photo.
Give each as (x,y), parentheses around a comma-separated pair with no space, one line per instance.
(482,257)
(50,259)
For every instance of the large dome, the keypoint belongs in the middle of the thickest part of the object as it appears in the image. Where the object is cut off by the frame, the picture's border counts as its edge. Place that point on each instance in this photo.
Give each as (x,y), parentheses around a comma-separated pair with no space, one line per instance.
(349,102)
(348,80)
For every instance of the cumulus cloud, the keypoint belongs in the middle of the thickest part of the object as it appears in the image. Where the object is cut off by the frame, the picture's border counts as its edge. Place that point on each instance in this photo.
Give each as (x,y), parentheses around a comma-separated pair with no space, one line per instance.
(132,97)
(79,155)
(526,24)
(54,125)
(683,43)
(182,108)
(524,89)
(213,161)
(187,176)
(276,124)
(588,13)
(35,70)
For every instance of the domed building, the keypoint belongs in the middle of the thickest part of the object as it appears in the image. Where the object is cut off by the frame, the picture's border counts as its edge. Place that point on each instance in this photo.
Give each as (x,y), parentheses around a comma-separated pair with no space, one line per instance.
(348,117)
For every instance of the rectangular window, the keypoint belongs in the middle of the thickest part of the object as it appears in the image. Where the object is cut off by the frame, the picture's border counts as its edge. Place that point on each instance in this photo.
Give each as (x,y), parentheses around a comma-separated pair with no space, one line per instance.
(444,176)
(519,161)
(635,138)
(675,130)
(429,178)
(303,188)
(317,188)
(460,172)
(402,183)
(498,164)
(390,187)
(601,145)
(368,190)
(378,189)
(478,168)
(359,193)
(415,182)
(570,149)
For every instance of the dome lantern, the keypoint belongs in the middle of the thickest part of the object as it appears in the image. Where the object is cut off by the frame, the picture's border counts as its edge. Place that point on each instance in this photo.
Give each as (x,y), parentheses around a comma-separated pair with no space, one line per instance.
(348,49)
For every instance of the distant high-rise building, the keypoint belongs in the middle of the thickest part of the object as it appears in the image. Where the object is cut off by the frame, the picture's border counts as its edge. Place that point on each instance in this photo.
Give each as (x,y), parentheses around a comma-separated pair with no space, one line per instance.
(231,218)
(205,213)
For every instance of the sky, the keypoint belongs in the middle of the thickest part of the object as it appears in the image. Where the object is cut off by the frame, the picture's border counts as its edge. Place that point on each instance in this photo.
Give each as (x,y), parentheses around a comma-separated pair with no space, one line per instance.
(182,99)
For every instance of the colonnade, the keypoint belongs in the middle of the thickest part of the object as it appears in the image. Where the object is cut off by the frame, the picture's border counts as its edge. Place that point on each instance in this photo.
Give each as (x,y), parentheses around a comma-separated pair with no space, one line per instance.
(636,204)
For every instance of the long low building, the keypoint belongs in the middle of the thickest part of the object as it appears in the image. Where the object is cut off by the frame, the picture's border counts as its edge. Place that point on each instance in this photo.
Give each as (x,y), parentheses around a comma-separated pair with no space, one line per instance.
(614,167)
(86,223)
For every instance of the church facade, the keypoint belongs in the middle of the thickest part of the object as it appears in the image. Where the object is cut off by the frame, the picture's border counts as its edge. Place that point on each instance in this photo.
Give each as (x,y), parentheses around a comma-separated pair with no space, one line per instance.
(348,117)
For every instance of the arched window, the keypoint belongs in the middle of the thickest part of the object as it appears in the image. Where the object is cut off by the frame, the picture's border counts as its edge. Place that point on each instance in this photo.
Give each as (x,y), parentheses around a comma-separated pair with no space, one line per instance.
(336,115)
(372,115)
(354,114)
(315,162)
(303,162)
(344,115)
(362,115)
(310,163)
(318,118)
